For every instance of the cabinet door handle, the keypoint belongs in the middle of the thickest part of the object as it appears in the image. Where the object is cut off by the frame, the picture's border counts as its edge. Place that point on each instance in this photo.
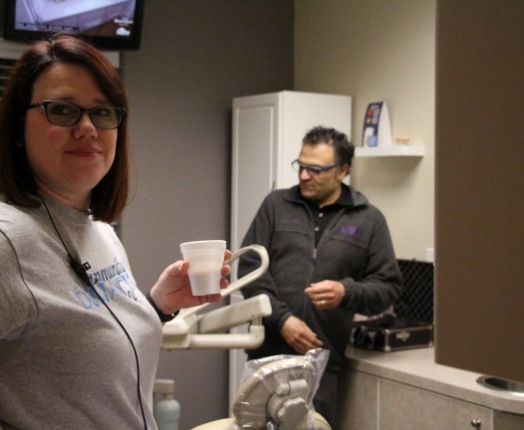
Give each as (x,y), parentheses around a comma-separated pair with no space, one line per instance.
(476,423)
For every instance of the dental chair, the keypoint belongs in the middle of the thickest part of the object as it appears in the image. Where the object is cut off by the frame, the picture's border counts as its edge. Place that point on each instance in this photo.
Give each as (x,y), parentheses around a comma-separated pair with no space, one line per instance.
(275,393)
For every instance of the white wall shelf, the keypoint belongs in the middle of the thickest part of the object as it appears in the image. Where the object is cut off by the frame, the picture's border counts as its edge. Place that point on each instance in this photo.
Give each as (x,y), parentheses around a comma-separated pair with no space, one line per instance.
(390,151)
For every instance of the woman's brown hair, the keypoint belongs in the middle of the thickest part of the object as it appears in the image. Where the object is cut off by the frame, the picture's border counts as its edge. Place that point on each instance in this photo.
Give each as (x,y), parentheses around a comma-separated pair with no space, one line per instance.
(17,182)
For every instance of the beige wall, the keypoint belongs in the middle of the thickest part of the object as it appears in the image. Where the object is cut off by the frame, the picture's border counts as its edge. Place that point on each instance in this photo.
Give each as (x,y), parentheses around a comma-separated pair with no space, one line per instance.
(379,50)
(383,50)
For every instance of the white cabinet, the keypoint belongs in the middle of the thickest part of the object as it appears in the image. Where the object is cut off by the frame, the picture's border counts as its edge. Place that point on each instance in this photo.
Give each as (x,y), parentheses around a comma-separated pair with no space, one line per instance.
(416,409)
(407,390)
(267,136)
(378,403)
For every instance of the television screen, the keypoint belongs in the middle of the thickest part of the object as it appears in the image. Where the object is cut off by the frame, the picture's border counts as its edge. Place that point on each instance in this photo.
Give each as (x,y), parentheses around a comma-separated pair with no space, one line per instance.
(108,24)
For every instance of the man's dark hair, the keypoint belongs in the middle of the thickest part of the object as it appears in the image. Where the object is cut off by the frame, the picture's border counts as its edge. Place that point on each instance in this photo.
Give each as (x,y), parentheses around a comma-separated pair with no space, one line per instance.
(344,149)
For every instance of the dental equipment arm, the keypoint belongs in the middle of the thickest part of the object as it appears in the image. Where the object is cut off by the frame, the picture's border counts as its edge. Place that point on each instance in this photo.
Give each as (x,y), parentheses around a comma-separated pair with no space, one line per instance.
(192,330)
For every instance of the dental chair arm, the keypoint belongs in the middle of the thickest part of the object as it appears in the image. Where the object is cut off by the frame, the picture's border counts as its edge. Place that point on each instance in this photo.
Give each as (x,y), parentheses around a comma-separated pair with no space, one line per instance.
(252,309)
(239,283)
(193,329)
(201,331)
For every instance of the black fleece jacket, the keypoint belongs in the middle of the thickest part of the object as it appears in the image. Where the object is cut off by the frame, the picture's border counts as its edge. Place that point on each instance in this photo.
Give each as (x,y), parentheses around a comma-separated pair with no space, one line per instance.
(355,249)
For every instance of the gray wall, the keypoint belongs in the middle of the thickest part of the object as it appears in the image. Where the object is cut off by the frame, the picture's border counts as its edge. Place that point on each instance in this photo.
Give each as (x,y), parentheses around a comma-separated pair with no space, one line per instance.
(196,55)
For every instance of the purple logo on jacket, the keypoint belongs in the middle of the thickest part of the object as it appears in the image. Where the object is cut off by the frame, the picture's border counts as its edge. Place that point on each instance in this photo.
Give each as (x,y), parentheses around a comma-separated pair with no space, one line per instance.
(351,230)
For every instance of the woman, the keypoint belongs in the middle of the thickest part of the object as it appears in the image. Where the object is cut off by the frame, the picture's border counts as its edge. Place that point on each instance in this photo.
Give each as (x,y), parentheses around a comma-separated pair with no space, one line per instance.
(79,343)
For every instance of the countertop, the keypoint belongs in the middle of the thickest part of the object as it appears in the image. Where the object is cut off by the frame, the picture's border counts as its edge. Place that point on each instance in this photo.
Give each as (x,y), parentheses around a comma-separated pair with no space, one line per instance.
(417,367)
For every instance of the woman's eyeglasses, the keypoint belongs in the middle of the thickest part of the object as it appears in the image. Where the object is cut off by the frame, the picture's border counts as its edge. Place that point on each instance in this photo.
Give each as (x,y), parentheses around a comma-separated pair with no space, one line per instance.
(67,114)
(312,170)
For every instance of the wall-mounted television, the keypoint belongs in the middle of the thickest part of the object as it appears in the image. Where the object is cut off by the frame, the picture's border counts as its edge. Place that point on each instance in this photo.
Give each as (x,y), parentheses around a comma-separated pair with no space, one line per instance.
(109,24)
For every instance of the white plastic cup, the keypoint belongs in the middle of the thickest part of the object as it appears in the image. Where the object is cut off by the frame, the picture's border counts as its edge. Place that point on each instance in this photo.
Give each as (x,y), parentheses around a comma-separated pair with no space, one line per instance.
(206,258)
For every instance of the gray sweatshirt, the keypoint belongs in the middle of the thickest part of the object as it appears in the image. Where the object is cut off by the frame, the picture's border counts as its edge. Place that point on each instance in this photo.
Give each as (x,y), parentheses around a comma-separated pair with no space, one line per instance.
(65,363)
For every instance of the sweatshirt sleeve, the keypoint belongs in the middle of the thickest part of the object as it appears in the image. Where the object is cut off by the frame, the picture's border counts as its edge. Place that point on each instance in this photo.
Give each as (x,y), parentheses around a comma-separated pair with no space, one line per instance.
(17,304)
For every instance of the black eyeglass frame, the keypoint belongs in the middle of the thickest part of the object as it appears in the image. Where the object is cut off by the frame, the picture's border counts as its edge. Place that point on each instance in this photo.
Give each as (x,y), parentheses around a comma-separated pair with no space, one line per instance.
(312,170)
(119,111)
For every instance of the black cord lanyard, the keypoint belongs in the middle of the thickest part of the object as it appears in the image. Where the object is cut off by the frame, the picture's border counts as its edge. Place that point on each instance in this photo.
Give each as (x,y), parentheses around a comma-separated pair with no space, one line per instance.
(81,270)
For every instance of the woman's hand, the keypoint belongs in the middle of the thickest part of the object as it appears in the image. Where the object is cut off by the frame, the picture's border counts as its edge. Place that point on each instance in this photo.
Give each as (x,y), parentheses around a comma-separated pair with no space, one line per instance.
(172,291)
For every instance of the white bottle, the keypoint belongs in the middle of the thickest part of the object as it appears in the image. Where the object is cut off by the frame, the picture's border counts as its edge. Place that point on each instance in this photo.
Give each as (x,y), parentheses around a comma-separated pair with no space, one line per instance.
(167,409)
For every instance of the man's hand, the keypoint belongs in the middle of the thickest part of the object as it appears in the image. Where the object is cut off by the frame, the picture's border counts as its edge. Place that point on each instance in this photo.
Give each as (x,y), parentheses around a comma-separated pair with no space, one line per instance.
(299,336)
(326,294)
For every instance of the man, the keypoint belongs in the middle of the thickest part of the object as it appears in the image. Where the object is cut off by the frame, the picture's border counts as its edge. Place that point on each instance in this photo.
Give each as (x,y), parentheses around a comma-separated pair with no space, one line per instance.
(331,256)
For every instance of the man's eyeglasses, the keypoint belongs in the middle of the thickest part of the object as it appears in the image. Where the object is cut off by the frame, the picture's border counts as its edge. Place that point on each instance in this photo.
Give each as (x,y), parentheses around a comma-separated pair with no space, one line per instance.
(312,170)
(66,114)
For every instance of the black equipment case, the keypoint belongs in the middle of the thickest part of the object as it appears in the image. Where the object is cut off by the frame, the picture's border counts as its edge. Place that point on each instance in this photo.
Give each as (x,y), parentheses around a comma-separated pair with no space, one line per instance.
(411,325)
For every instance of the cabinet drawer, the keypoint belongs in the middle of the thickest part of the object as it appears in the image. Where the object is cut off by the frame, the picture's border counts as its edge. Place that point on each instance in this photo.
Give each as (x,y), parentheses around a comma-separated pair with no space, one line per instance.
(359,407)
(410,408)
